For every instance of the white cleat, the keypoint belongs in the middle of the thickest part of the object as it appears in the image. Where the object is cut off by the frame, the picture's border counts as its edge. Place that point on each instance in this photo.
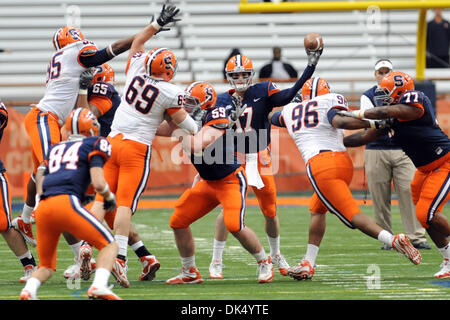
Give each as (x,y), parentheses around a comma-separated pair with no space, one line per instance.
(187,276)
(29,269)
(72,272)
(27,295)
(280,262)
(102,293)
(302,271)
(265,271)
(84,261)
(119,271)
(402,245)
(444,273)
(215,270)
(25,230)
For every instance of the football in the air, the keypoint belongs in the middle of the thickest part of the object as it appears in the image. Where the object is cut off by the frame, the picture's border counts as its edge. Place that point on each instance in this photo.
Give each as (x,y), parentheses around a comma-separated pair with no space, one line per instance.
(313,41)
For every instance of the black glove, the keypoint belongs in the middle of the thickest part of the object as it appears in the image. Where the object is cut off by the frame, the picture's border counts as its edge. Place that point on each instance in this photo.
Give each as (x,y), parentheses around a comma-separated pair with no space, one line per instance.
(86,78)
(87,198)
(313,57)
(109,203)
(386,123)
(160,30)
(167,15)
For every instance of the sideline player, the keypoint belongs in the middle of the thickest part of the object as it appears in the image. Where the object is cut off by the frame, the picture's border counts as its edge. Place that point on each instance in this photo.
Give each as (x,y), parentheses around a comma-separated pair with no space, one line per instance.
(74,54)
(70,167)
(416,130)
(12,237)
(148,97)
(222,182)
(254,103)
(317,130)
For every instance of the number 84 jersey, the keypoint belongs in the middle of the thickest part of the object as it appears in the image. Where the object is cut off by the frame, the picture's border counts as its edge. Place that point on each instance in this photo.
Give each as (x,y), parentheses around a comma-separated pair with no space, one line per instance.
(309,124)
(144,102)
(68,165)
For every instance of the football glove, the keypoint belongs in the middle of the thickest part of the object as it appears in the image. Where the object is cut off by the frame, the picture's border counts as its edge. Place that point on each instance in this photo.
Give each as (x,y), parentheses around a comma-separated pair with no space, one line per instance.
(167,15)
(380,124)
(109,203)
(87,198)
(86,78)
(313,57)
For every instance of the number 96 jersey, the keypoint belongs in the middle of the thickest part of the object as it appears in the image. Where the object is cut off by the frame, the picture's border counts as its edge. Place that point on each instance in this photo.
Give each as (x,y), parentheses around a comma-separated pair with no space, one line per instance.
(309,124)
(144,102)
(68,165)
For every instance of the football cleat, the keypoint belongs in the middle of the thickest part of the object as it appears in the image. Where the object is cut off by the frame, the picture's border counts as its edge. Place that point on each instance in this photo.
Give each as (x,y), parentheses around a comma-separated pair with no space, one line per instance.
(27,295)
(102,293)
(280,262)
(444,273)
(187,276)
(215,270)
(29,269)
(265,271)
(402,245)
(302,271)
(149,267)
(72,272)
(25,230)
(33,217)
(84,261)
(119,271)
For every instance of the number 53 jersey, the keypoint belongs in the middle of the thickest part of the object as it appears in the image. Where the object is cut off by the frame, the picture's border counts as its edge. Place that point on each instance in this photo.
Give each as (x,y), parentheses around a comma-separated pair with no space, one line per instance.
(69,163)
(309,124)
(144,102)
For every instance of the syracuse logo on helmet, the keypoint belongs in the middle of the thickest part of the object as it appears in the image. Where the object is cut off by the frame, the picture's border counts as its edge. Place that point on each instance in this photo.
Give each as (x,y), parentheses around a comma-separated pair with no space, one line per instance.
(392,86)
(82,121)
(161,64)
(239,71)
(314,87)
(66,35)
(200,95)
(104,73)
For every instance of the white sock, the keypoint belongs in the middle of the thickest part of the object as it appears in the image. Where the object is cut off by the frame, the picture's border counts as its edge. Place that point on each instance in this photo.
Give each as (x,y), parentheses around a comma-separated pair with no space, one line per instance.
(25,255)
(188,262)
(311,253)
(260,256)
(26,213)
(32,285)
(218,248)
(76,249)
(445,251)
(122,242)
(101,277)
(137,245)
(274,244)
(386,237)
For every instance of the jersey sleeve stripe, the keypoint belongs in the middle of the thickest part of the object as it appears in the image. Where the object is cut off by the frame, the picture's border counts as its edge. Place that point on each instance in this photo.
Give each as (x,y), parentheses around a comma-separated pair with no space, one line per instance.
(212,122)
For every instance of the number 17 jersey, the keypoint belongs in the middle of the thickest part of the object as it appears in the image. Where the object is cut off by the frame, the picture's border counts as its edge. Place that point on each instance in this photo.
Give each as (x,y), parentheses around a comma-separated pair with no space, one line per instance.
(309,124)
(144,102)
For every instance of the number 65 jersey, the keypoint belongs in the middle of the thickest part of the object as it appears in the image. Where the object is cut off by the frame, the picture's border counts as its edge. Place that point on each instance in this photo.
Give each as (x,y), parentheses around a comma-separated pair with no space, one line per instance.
(69,163)
(309,124)
(144,102)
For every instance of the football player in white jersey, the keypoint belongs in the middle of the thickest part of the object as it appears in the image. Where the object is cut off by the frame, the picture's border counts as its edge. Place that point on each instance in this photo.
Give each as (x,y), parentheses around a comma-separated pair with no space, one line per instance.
(317,130)
(43,122)
(148,99)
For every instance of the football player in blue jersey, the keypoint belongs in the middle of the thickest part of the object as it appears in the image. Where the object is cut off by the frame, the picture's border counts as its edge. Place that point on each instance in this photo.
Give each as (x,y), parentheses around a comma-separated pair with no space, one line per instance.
(61,183)
(250,106)
(414,127)
(222,181)
(12,237)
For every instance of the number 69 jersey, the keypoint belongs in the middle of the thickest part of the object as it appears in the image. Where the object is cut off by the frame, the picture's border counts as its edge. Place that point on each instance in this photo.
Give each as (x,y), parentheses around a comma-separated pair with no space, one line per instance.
(68,165)
(144,102)
(309,124)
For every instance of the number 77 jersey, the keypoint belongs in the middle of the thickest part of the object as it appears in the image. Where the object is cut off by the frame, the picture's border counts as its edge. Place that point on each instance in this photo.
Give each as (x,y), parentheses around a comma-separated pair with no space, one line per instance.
(144,102)
(309,124)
